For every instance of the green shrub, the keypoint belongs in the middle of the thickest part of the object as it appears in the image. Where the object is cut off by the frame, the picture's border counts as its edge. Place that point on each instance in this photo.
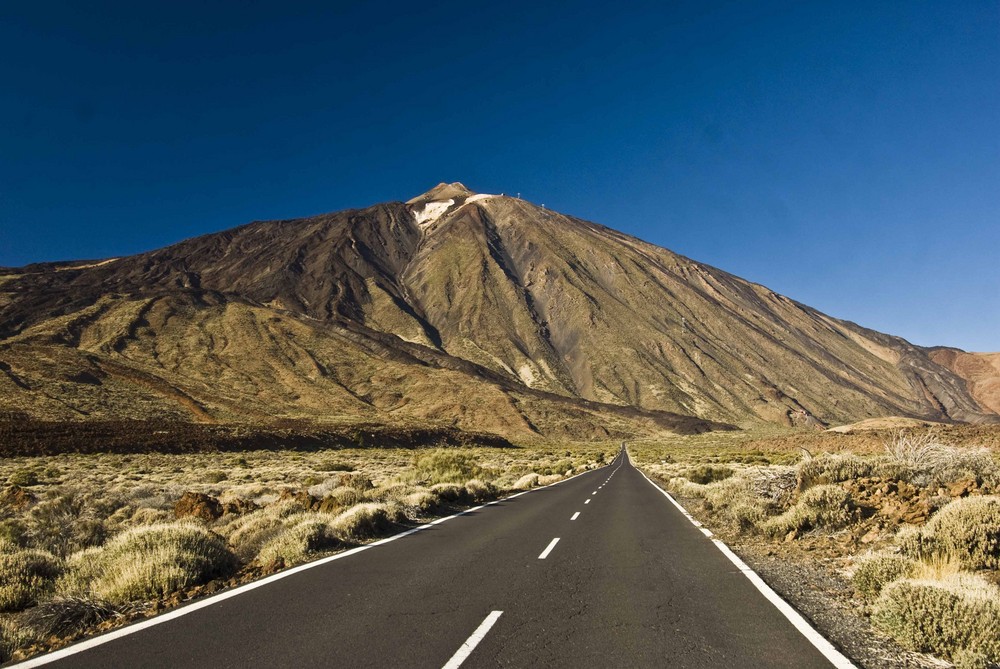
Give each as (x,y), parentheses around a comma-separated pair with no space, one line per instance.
(958,616)
(822,506)
(148,562)
(877,571)
(966,530)
(26,575)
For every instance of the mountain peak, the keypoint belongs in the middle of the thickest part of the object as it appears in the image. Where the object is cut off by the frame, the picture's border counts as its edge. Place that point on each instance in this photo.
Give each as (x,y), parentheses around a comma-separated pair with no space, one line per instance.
(443,191)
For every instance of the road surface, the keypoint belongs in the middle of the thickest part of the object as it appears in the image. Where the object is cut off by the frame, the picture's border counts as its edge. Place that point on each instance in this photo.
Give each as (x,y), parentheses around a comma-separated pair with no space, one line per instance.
(598,571)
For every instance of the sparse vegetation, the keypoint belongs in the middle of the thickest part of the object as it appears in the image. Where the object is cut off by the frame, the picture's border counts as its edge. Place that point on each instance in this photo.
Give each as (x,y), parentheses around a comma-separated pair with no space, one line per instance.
(820,507)
(12,637)
(148,562)
(98,537)
(966,530)
(877,571)
(925,511)
(952,617)
(26,575)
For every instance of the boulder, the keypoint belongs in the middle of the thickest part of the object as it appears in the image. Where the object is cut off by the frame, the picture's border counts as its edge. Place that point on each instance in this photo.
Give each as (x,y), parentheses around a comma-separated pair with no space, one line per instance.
(198,505)
(17,498)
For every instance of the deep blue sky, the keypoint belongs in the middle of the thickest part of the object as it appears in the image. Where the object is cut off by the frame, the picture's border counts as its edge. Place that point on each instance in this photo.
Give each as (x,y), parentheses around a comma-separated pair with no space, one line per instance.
(846,154)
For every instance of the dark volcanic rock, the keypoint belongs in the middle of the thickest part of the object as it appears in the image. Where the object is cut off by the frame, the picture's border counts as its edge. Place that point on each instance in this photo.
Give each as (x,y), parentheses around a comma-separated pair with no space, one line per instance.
(454,310)
(198,505)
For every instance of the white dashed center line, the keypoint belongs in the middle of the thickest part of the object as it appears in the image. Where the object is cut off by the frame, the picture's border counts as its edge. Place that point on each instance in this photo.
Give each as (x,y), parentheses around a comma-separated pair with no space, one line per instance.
(548,549)
(587,502)
(470,644)
(575,516)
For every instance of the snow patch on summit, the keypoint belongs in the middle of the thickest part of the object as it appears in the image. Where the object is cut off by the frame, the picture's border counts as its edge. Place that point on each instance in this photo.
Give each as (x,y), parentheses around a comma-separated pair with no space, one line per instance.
(431,212)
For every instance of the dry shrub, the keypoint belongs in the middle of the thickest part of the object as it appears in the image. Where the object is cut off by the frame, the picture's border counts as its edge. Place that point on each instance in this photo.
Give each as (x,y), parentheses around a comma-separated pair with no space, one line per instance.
(334,466)
(526,482)
(366,521)
(358,482)
(24,478)
(958,616)
(681,487)
(64,524)
(325,487)
(301,536)
(833,468)
(66,615)
(774,484)
(341,498)
(451,492)
(922,459)
(878,570)
(12,637)
(966,530)
(708,474)
(145,563)
(423,502)
(442,466)
(480,491)
(549,479)
(247,534)
(822,506)
(26,575)
(735,501)
(560,468)
(147,516)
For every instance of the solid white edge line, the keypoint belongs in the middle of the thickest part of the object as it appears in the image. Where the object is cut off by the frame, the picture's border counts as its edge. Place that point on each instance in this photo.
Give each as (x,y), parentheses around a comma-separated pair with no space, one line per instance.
(821,643)
(575,516)
(253,585)
(548,549)
(470,644)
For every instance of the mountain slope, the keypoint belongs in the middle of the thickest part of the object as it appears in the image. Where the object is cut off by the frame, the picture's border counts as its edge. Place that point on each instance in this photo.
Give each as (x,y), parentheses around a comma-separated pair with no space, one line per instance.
(481,311)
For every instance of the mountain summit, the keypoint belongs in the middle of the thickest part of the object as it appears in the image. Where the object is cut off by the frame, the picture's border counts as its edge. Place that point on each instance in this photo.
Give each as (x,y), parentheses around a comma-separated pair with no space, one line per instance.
(443,192)
(484,312)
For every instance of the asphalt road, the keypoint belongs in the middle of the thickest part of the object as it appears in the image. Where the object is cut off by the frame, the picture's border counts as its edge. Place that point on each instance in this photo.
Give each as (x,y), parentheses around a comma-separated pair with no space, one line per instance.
(629,583)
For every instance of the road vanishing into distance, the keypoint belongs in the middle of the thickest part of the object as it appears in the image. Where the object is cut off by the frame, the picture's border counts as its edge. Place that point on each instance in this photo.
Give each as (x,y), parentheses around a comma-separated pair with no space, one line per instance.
(601,570)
